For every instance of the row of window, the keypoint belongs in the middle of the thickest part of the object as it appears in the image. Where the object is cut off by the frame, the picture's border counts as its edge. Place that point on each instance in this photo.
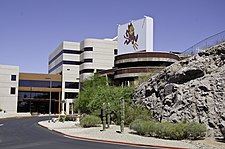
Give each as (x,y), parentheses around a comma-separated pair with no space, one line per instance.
(89,60)
(76,52)
(46,84)
(72,85)
(65,51)
(38,83)
(70,95)
(64,62)
(38,95)
(87,71)
(70,52)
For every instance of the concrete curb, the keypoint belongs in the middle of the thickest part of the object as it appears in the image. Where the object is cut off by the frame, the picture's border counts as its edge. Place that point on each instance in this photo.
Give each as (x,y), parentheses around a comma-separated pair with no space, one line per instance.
(111,142)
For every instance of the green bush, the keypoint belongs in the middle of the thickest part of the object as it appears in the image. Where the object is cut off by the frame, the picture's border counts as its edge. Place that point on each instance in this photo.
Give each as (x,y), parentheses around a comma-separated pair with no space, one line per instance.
(90,121)
(196,130)
(135,125)
(143,127)
(0,110)
(136,112)
(166,130)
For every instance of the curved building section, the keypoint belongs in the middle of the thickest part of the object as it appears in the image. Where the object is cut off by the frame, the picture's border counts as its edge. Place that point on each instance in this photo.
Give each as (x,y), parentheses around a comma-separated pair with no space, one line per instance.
(132,65)
(96,55)
(128,67)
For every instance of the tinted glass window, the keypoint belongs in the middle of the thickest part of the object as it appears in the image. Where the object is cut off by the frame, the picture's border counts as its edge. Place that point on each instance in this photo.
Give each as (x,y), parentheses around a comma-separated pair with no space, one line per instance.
(74,85)
(13,90)
(115,51)
(72,62)
(64,51)
(36,83)
(88,49)
(38,95)
(88,60)
(87,71)
(13,77)
(72,51)
(70,95)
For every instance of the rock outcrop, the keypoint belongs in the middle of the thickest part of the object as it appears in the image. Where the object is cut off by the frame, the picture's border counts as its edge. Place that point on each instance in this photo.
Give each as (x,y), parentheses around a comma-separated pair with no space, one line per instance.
(189,90)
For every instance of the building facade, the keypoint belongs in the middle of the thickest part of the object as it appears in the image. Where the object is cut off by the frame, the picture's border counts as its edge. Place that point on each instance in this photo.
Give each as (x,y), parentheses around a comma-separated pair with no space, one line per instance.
(128,67)
(77,61)
(65,60)
(39,93)
(97,55)
(9,78)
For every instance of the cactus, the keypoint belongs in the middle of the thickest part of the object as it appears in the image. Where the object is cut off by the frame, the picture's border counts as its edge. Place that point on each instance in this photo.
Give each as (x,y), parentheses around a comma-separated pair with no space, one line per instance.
(122,116)
(108,115)
(104,116)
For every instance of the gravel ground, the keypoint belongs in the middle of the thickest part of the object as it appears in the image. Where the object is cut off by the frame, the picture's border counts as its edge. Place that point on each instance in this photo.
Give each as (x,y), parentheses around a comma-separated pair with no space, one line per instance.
(112,134)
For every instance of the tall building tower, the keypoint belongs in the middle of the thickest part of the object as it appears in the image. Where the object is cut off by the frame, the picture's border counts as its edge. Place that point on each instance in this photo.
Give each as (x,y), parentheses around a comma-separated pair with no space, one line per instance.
(77,61)
(97,55)
(65,60)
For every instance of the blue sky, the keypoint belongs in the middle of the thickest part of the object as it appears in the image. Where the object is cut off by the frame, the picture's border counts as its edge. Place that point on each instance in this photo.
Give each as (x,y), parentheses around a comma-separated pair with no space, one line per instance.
(31,29)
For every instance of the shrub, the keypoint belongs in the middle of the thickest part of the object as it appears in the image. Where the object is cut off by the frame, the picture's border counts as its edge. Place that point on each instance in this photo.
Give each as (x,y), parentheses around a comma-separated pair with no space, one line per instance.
(196,130)
(143,127)
(90,121)
(177,131)
(0,110)
(136,125)
(162,129)
(136,112)
(166,130)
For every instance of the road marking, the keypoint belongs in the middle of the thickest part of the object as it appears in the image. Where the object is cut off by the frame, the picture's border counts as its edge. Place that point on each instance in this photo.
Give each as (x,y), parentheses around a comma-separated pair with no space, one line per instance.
(1,125)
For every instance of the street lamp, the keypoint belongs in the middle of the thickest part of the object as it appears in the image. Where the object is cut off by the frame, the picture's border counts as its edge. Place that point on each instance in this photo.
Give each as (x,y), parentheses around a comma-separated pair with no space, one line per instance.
(50,98)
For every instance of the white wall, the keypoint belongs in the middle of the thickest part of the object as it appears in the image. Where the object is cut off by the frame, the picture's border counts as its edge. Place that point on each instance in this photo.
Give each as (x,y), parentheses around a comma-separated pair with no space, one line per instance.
(8,102)
(102,55)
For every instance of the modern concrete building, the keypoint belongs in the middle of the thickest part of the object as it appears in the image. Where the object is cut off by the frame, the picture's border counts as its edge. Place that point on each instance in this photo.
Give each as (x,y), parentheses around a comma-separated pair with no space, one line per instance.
(97,55)
(77,61)
(9,78)
(128,67)
(39,93)
(65,60)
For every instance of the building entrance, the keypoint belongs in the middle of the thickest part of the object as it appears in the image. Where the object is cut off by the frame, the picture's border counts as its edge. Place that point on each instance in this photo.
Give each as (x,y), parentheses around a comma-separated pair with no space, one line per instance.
(37,106)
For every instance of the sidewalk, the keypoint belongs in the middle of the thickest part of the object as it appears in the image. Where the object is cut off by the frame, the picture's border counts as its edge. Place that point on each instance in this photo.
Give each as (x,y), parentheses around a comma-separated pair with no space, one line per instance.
(112,135)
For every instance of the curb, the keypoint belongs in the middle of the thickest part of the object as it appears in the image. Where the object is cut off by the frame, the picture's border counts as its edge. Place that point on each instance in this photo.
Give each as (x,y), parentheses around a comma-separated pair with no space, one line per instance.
(111,142)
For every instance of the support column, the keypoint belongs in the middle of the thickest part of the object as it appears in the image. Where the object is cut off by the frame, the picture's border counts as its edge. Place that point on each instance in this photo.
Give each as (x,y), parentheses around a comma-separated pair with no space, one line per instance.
(67,107)
(63,110)
(59,104)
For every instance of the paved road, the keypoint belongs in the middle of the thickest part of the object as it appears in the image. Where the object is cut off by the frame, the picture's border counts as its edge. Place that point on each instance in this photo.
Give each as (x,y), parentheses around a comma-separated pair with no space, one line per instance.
(25,133)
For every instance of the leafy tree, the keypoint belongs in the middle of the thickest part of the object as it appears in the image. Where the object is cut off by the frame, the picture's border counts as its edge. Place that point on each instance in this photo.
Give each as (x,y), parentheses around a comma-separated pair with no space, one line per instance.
(96,91)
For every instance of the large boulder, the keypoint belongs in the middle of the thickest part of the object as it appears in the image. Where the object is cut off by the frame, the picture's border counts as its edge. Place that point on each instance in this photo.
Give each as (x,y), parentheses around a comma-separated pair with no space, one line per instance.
(189,90)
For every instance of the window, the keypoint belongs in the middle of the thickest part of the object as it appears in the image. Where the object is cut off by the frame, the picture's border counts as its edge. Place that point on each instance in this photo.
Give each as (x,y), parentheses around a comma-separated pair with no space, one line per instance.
(38,95)
(88,49)
(87,71)
(64,51)
(13,91)
(115,51)
(13,77)
(37,83)
(72,62)
(70,95)
(74,85)
(99,70)
(88,60)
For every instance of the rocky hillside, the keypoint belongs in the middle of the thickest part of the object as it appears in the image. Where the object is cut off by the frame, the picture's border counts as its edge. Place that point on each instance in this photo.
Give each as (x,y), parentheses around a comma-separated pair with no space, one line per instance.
(189,90)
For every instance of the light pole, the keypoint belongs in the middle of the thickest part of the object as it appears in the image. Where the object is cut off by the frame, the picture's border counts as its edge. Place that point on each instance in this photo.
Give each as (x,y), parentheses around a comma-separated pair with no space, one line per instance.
(50,97)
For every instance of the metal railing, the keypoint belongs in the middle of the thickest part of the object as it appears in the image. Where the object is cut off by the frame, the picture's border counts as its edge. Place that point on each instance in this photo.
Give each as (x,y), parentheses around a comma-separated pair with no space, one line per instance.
(205,43)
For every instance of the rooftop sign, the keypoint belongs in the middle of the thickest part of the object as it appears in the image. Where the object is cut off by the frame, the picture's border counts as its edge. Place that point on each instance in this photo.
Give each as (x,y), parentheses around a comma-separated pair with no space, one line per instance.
(136,35)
